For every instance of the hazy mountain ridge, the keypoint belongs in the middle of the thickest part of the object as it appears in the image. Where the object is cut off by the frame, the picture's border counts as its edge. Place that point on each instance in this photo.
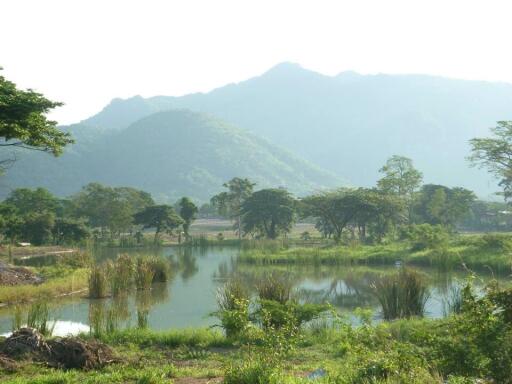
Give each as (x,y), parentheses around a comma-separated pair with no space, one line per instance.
(169,154)
(351,123)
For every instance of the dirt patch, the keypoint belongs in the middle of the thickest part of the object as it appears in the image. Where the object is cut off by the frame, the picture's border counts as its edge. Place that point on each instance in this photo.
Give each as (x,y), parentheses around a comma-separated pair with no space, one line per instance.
(10,275)
(73,352)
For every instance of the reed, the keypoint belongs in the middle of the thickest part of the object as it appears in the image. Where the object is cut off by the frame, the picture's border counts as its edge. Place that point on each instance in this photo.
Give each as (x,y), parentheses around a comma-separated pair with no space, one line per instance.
(231,294)
(144,273)
(161,269)
(98,283)
(402,295)
(275,287)
(38,317)
(122,274)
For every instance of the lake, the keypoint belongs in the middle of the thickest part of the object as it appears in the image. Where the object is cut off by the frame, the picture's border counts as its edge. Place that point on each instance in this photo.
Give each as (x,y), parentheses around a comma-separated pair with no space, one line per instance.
(190,296)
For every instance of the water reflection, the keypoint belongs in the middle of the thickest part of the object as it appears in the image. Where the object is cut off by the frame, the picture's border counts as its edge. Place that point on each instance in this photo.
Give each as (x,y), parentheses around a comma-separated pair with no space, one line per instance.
(189,295)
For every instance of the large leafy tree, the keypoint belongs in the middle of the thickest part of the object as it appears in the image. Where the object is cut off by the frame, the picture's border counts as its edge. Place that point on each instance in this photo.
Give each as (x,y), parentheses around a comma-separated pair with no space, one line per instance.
(229,203)
(163,218)
(495,154)
(23,121)
(353,209)
(188,211)
(438,204)
(400,179)
(109,208)
(37,200)
(268,212)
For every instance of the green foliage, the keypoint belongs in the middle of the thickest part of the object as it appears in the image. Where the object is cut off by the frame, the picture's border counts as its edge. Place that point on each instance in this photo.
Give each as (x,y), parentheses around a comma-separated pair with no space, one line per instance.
(268,213)
(402,295)
(495,154)
(162,218)
(229,204)
(233,304)
(188,211)
(426,236)
(364,210)
(23,121)
(109,208)
(437,204)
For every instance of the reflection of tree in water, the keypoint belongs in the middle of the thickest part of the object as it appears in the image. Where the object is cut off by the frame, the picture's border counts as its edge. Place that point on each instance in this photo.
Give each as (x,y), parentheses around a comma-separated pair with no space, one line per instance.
(186,263)
(226,270)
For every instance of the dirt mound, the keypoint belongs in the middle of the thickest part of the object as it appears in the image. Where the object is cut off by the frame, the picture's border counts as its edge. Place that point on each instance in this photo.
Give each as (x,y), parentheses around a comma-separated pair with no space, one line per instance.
(10,275)
(73,352)
(7,364)
(25,341)
(65,352)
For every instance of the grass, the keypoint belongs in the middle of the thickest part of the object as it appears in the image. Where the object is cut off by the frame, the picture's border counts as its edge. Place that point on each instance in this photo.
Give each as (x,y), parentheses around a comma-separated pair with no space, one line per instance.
(74,281)
(401,295)
(463,252)
(98,282)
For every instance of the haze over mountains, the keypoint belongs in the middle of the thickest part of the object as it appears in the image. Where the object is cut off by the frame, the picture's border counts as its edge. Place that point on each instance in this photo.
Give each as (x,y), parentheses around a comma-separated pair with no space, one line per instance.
(348,124)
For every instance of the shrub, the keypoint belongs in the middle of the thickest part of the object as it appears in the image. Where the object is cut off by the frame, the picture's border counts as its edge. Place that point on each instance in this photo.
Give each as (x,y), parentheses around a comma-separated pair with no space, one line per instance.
(426,236)
(233,303)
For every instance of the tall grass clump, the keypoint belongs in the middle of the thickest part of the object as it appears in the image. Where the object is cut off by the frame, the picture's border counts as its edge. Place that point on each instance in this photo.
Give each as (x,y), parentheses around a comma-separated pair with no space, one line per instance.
(98,282)
(122,272)
(38,317)
(402,295)
(144,273)
(454,301)
(275,287)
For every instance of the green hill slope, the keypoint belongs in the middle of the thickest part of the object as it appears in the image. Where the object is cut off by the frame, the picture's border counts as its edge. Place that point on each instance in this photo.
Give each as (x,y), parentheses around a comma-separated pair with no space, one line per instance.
(169,154)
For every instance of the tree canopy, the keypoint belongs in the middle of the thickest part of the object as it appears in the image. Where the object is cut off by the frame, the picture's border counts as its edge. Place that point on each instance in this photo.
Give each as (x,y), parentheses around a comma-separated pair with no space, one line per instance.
(495,154)
(23,121)
(163,218)
(268,212)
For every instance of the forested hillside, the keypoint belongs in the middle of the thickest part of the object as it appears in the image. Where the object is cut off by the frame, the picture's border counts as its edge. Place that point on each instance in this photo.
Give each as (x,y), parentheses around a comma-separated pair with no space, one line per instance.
(169,154)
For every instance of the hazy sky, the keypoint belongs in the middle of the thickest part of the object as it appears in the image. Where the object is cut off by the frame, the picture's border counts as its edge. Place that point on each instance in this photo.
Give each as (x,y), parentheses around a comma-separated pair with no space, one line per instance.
(85,53)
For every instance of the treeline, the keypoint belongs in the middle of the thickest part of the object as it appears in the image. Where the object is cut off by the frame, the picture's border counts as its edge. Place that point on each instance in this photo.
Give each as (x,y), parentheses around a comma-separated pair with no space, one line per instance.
(121,214)
(399,205)
(100,212)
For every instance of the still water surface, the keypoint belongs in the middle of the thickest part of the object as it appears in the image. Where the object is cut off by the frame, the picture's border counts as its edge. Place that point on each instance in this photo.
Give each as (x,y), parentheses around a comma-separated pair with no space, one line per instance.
(190,296)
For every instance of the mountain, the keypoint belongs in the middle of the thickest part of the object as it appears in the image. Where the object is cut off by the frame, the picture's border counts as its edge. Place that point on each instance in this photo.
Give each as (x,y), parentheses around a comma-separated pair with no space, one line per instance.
(170,154)
(351,123)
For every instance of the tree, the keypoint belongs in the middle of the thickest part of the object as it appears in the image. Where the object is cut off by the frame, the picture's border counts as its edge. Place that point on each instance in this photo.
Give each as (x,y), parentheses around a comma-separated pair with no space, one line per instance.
(26,201)
(400,178)
(68,230)
(23,123)
(163,218)
(230,203)
(110,208)
(188,211)
(438,204)
(357,209)
(268,213)
(495,154)
(37,227)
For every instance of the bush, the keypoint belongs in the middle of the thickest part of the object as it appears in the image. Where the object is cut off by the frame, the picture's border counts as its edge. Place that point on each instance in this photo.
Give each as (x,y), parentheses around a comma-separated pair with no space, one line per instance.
(426,236)
(275,287)
(233,303)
